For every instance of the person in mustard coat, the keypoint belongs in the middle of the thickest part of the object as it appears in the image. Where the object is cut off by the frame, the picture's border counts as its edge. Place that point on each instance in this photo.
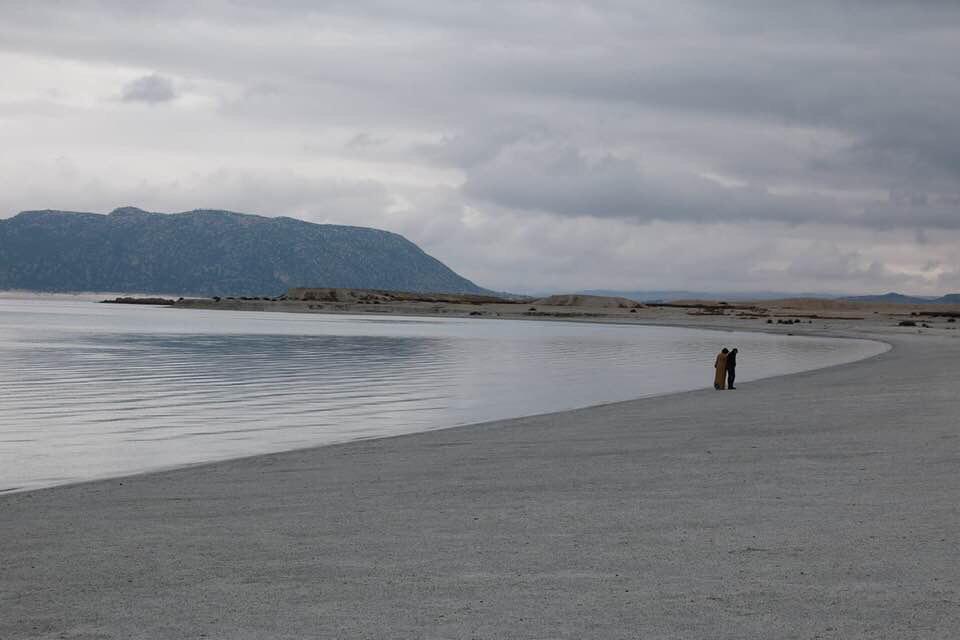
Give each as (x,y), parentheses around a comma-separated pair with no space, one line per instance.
(720,375)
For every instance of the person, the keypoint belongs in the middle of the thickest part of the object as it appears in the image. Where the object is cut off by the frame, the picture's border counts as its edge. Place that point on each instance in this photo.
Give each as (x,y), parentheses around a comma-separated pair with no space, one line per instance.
(720,376)
(731,368)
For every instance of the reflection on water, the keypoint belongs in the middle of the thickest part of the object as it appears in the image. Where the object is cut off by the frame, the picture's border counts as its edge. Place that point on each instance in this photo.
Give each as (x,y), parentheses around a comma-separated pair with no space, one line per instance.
(91,390)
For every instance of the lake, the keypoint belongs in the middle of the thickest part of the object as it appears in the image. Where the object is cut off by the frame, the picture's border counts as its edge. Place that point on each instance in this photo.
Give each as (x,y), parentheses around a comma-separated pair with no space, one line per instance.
(90,390)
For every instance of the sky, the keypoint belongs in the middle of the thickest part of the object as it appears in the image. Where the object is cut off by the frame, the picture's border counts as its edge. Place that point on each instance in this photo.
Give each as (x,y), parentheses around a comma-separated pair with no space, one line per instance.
(743,145)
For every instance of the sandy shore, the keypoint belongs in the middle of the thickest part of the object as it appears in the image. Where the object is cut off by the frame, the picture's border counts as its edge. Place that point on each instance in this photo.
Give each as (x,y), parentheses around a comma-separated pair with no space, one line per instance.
(807,314)
(817,505)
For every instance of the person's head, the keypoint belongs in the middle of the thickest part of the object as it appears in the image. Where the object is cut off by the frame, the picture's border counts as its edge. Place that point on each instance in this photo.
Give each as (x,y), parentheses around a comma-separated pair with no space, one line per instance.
(733,350)
(724,350)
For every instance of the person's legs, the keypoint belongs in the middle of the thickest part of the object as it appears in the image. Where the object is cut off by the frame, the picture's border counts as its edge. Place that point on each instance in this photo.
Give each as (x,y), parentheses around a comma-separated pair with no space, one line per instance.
(731,376)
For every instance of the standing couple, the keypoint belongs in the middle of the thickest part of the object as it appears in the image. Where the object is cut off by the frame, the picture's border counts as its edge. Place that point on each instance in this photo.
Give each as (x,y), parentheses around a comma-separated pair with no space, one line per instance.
(726,366)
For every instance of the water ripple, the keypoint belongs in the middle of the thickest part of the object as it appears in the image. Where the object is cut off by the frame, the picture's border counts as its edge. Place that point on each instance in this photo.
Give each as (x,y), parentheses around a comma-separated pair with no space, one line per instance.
(90,390)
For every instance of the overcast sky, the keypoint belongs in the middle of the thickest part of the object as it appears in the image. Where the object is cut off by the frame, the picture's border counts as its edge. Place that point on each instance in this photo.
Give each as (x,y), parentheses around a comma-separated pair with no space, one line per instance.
(532,146)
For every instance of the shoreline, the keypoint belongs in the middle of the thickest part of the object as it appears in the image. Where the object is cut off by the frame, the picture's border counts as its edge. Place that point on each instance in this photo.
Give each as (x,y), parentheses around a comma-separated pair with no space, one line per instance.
(816,484)
(196,465)
(12,490)
(854,320)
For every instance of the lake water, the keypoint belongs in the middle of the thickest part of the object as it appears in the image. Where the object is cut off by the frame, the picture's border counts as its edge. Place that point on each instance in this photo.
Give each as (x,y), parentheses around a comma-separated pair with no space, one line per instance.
(90,390)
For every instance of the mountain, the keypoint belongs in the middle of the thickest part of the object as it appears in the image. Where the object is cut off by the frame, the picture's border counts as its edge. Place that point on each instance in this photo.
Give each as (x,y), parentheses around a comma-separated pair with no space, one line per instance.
(899,298)
(730,296)
(892,298)
(207,252)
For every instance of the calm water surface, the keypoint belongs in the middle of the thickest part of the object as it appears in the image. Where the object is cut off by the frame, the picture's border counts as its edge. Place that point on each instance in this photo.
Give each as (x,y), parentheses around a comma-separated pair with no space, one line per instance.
(90,390)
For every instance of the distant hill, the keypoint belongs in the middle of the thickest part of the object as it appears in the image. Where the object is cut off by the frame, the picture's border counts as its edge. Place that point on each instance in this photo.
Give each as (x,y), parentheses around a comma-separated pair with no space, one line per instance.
(732,296)
(899,298)
(208,252)
(729,296)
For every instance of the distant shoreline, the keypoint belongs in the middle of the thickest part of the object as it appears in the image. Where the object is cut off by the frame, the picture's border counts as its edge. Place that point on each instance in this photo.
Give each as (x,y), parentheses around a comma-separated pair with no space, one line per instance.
(791,316)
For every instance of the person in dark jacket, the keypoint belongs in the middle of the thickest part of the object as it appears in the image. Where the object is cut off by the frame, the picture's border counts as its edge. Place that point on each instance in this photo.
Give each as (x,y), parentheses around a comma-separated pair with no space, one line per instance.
(731,368)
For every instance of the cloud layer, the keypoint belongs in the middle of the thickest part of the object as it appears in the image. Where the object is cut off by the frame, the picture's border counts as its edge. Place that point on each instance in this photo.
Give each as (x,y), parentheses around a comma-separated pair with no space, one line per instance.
(531,145)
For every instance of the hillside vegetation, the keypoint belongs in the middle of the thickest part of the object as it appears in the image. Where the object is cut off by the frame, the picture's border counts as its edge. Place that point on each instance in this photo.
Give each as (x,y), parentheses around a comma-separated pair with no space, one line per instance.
(208,252)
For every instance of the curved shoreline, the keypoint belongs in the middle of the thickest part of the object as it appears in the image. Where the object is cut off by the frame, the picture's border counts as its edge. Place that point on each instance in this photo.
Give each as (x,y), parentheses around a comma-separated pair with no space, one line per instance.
(190,465)
(815,503)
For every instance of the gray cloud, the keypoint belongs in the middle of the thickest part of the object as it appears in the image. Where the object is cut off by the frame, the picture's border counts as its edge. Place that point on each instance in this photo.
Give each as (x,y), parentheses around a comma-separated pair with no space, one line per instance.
(821,124)
(363,140)
(563,181)
(151,89)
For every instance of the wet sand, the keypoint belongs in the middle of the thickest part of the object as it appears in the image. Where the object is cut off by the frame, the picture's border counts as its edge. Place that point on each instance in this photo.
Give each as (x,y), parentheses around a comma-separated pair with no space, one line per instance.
(817,505)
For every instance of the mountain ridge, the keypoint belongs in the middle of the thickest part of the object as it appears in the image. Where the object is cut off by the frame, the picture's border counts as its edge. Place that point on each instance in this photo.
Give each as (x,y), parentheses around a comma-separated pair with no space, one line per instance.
(900,298)
(740,296)
(666,295)
(209,252)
